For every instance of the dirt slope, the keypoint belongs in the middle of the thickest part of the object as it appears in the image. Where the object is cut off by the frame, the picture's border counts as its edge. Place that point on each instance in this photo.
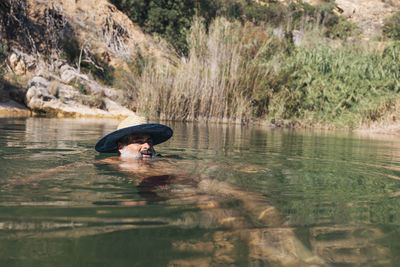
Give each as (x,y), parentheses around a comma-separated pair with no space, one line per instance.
(368,14)
(97,24)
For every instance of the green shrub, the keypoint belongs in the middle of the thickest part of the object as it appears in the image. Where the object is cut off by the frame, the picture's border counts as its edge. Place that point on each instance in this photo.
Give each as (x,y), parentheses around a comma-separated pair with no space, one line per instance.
(168,18)
(72,50)
(342,29)
(240,72)
(3,55)
(3,51)
(391,26)
(274,13)
(331,84)
(98,68)
(171,19)
(80,86)
(89,63)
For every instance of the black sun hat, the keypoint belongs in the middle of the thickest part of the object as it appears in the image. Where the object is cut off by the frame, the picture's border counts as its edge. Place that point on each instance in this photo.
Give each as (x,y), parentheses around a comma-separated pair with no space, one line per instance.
(133,125)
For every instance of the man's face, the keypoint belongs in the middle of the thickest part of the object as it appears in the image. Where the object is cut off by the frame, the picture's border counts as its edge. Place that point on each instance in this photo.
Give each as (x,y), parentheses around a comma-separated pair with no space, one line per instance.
(137,146)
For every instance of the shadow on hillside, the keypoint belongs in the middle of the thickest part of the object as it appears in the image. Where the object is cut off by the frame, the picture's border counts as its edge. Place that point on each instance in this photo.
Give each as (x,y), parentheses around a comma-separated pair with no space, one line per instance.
(33,29)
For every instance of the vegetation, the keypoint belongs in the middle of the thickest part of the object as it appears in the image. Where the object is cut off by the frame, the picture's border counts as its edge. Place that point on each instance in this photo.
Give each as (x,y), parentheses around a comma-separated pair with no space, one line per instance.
(240,71)
(169,19)
(3,55)
(344,85)
(236,60)
(391,26)
(80,56)
(172,19)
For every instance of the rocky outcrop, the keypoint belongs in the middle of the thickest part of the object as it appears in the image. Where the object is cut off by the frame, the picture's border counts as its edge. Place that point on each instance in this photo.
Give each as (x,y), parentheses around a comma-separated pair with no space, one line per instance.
(46,27)
(39,34)
(54,95)
(20,62)
(367,14)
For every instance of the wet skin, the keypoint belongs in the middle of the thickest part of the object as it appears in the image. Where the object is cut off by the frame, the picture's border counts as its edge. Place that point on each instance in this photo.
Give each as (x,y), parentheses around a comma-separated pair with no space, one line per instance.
(139,146)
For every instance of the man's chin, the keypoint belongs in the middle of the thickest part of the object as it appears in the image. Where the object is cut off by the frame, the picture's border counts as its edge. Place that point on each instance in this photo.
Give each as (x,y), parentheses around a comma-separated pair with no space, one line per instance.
(137,156)
(127,156)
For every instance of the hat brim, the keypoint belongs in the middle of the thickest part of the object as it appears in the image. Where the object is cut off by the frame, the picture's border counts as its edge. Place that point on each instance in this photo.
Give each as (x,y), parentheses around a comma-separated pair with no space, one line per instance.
(158,132)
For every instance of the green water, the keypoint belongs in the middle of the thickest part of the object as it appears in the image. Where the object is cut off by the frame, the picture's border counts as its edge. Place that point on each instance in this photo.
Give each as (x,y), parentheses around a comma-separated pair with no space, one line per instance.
(336,194)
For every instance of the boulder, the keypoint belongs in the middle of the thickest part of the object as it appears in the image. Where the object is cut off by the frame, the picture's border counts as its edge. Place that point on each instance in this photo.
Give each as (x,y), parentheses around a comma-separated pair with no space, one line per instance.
(54,97)
(68,73)
(298,37)
(20,62)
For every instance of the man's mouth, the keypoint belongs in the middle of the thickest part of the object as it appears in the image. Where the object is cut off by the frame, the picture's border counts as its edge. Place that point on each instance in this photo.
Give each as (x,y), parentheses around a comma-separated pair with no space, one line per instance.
(146,153)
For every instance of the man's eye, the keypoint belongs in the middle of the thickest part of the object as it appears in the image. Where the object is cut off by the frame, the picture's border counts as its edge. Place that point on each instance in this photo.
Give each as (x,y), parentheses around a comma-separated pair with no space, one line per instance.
(143,141)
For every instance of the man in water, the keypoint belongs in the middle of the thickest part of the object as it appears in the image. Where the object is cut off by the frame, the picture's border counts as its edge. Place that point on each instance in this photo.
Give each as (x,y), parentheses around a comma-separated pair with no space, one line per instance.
(255,222)
(134,139)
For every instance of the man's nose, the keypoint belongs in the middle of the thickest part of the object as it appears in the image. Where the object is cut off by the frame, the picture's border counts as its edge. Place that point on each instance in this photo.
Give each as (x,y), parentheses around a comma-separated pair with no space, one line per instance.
(146,145)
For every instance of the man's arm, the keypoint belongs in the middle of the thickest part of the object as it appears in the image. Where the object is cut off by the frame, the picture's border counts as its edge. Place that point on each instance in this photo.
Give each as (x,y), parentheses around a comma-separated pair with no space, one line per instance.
(46,174)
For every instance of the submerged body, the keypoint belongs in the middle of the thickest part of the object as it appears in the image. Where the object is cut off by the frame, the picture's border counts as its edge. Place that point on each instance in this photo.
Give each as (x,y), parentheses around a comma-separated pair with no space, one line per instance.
(259,224)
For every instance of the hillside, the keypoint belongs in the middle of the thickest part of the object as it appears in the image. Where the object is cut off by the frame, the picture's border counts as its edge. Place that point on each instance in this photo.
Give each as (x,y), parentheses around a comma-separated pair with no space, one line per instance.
(52,41)
(367,14)
(294,64)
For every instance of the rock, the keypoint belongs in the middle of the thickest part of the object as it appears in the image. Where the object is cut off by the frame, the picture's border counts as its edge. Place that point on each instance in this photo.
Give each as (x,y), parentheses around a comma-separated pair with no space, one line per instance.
(16,65)
(98,89)
(20,62)
(367,14)
(68,73)
(59,99)
(38,89)
(98,25)
(66,92)
(116,109)
(278,32)
(298,37)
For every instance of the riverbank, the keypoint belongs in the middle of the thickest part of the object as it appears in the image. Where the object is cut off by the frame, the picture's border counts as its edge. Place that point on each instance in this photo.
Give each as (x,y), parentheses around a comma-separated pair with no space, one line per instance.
(315,73)
(378,130)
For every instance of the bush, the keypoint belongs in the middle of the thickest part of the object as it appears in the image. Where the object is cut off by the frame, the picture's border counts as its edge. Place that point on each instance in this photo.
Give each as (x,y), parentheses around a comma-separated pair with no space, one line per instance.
(3,51)
(72,50)
(391,26)
(98,68)
(239,72)
(89,63)
(3,55)
(168,18)
(332,85)
(171,19)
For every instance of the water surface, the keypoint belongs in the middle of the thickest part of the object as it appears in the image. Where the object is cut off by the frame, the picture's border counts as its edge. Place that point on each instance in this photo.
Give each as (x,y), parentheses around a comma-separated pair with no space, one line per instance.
(221,195)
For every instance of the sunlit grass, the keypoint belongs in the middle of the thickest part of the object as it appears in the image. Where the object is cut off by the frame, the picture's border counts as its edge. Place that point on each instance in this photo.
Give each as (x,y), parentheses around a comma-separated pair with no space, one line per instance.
(237,72)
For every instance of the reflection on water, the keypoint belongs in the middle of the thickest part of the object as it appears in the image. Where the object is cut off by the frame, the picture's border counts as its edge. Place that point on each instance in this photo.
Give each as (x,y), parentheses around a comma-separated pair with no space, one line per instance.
(220,195)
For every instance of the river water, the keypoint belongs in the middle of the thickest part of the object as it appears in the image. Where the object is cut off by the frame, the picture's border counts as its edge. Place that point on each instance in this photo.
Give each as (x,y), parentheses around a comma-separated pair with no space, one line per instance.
(220,195)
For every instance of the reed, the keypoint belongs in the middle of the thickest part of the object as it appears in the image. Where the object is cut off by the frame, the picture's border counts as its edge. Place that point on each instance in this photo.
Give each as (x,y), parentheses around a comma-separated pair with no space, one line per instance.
(216,81)
(237,72)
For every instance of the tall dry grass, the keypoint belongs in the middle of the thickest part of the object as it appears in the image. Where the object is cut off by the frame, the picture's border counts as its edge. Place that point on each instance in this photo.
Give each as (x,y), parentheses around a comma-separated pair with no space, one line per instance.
(236,72)
(225,67)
